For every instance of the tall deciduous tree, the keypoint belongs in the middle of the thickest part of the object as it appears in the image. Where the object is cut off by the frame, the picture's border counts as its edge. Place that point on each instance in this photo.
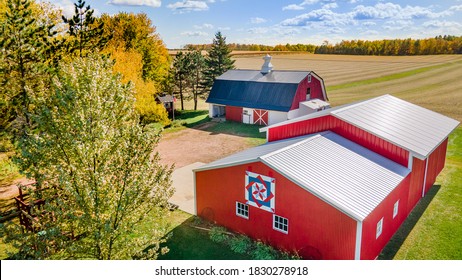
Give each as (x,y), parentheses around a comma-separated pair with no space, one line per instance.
(136,32)
(181,69)
(24,47)
(195,76)
(85,32)
(218,60)
(106,185)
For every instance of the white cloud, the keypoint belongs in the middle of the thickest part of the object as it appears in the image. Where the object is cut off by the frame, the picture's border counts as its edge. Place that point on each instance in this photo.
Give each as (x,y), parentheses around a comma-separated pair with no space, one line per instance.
(394,11)
(188,6)
(293,7)
(258,30)
(150,3)
(452,25)
(332,5)
(370,32)
(257,20)
(328,17)
(66,6)
(398,24)
(456,8)
(203,26)
(310,2)
(194,33)
(225,28)
(368,23)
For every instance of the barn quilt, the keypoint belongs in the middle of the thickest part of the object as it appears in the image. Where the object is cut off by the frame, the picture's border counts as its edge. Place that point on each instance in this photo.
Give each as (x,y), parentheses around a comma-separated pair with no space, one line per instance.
(260,191)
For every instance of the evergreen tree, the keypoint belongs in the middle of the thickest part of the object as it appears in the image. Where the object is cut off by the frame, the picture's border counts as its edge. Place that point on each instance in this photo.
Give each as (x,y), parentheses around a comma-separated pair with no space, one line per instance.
(105,182)
(195,74)
(86,33)
(24,46)
(218,60)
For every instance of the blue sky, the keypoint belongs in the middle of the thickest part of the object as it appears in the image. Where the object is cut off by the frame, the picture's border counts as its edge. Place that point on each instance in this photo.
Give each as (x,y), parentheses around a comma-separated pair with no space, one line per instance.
(274,22)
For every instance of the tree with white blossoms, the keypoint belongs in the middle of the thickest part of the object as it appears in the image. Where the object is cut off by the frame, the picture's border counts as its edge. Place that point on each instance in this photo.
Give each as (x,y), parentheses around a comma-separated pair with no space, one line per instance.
(106,192)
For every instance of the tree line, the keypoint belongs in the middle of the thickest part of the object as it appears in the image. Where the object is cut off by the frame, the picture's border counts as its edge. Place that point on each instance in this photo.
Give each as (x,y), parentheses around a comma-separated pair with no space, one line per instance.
(446,44)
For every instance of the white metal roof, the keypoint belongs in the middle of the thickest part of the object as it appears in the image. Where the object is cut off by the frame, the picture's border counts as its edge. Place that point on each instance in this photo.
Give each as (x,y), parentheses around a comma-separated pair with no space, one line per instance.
(402,123)
(347,176)
(275,76)
(315,104)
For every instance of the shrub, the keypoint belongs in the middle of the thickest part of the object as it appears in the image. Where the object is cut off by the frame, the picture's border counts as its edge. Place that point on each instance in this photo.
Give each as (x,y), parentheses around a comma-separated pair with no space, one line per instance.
(240,244)
(263,252)
(218,234)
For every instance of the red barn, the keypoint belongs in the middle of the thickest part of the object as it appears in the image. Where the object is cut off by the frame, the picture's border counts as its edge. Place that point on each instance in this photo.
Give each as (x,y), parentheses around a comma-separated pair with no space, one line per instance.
(266,97)
(336,184)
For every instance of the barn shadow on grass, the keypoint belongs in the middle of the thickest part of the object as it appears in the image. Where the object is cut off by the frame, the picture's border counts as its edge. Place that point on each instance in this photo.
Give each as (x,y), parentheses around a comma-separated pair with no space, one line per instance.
(188,242)
(392,247)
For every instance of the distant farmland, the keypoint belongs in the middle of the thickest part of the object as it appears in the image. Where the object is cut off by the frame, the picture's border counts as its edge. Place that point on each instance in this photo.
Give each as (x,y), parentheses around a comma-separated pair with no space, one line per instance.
(434,81)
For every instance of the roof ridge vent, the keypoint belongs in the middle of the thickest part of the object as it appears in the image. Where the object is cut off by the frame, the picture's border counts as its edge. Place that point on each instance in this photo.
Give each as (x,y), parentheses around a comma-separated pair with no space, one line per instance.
(267,66)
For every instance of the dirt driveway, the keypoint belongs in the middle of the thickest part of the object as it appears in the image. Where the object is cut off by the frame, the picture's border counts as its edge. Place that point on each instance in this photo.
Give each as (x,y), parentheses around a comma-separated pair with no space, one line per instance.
(198,145)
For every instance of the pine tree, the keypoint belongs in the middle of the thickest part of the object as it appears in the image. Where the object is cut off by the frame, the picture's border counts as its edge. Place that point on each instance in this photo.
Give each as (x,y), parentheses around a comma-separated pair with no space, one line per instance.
(218,60)
(24,46)
(86,33)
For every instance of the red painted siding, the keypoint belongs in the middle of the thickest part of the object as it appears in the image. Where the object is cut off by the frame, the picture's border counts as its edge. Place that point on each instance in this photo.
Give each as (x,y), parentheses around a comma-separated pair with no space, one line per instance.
(416,184)
(234,113)
(316,229)
(316,91)
(372,246)
(344,129)
(436,162)
(260,117)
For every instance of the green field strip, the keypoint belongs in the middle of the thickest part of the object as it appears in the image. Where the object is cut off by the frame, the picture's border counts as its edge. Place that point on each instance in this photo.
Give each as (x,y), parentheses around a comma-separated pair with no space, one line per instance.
(396,76)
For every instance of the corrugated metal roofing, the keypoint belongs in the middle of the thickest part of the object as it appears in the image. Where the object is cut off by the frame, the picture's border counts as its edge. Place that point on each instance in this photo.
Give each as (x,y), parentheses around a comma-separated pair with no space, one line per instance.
(275,76)
(253,154)
(258,95)
(404,124)
(344,174)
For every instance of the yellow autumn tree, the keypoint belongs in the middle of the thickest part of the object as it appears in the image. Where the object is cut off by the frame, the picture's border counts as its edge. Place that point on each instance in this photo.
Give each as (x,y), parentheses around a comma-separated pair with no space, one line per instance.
(129,64)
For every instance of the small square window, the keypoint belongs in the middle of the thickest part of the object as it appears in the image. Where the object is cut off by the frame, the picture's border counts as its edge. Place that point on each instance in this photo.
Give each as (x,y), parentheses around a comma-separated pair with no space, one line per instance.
(379,228)
(280,224)
(395,209)
(242,210)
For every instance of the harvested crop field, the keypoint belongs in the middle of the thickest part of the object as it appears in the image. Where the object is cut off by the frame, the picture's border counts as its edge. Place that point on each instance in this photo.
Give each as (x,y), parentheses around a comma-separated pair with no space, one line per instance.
(434,81)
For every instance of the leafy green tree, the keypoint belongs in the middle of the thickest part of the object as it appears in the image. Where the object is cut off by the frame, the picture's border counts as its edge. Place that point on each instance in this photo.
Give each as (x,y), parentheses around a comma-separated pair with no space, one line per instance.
(107,192)
(218,60)
(24,46)
(85,32)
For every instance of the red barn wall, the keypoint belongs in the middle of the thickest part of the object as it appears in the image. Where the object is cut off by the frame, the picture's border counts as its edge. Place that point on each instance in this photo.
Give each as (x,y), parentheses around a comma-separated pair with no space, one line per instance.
(372,246)
(436,162)
(233,113)
(416,184)
(316,229)
(316,91)
(344,129)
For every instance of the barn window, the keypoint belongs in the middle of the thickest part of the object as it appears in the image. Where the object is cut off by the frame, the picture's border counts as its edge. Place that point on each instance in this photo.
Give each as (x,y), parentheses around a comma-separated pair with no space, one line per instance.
(242,210)
(280,224)
(395,209)
(379,228)
(309,78)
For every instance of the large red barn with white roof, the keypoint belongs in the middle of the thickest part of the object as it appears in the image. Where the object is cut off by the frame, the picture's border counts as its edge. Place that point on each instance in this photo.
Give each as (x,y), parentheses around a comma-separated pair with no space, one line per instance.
(335,184)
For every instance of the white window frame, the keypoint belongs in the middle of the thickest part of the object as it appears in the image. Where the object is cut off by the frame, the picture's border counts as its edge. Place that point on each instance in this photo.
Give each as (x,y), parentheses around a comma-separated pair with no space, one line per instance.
(379,228)
(244,208)
(309,78)
(395,208)
(279,221)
